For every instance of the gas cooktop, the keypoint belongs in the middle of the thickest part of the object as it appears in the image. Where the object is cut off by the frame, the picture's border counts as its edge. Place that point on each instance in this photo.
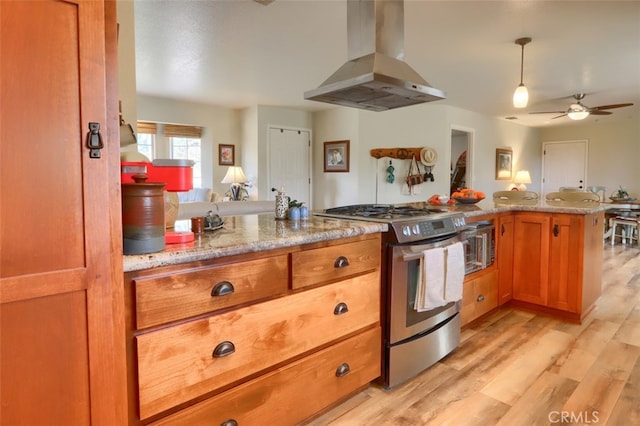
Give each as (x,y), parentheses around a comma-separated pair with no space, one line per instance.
(383,212)
(408,222)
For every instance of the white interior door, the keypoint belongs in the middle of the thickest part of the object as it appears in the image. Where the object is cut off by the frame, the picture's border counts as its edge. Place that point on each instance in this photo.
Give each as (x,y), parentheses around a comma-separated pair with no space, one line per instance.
(564,164)
(289,163)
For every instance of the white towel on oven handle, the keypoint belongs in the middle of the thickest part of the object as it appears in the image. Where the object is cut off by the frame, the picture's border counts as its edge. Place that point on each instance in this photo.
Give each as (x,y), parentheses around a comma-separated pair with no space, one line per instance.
(430,280)
(454,273)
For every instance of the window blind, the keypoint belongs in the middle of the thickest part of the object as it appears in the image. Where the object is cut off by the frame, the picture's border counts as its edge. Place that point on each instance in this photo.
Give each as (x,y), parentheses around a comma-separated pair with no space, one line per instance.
(147,127)
(180,131)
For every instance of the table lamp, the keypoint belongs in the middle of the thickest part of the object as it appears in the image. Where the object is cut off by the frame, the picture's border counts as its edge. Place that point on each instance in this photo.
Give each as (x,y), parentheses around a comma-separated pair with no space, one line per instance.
(235,176)
(522,178)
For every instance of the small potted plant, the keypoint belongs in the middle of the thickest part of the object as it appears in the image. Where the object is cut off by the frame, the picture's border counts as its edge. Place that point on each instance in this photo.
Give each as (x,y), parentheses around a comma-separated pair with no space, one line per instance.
(297,210)
(620,195)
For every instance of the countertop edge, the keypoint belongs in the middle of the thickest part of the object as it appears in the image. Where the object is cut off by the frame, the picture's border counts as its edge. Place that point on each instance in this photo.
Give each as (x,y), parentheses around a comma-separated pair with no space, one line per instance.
(188,252)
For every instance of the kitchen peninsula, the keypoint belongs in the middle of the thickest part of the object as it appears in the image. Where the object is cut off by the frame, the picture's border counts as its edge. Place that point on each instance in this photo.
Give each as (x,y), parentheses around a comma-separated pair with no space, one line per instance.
(246,322)
(548,255)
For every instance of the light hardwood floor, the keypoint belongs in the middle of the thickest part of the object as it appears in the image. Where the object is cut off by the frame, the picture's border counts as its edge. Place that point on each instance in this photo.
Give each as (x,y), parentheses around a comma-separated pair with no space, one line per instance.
(519,368)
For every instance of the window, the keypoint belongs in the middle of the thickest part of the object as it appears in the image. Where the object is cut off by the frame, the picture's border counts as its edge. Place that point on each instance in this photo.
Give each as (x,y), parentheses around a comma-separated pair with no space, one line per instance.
(146,144)
(188,149)
(185,144)
(146,139)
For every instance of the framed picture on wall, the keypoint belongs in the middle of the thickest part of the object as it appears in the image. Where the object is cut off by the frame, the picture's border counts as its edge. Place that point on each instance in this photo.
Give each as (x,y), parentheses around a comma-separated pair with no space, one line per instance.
(336,156)
(504,160)
(226,155)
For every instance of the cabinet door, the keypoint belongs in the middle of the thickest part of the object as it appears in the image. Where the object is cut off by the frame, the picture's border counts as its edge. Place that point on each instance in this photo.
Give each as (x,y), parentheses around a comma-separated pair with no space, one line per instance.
(60,361)
(530,257)
(504,255)
(565,261)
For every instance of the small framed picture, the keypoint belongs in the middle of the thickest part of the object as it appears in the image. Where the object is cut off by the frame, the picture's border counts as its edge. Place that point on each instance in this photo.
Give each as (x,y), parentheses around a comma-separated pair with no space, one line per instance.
(504,159)
(336,156)
(226,155)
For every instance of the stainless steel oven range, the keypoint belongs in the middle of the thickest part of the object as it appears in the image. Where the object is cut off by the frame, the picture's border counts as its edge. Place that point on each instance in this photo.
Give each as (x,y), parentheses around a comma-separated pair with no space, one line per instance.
(413,341)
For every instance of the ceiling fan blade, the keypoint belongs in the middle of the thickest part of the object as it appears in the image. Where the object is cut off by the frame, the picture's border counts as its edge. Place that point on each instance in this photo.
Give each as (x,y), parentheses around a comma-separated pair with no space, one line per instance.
(596,112)
(548,112)
(601,107)
(559,116)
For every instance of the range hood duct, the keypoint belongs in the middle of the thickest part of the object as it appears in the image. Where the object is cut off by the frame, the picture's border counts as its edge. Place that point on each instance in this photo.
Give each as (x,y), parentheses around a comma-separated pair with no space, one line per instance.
(375,77)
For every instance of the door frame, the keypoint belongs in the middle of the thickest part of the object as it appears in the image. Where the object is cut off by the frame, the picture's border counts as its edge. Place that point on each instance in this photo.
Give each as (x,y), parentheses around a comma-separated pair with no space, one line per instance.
(471,138)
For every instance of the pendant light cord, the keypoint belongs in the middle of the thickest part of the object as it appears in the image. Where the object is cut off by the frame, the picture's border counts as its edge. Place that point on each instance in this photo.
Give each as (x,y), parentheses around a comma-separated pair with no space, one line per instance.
(522,64)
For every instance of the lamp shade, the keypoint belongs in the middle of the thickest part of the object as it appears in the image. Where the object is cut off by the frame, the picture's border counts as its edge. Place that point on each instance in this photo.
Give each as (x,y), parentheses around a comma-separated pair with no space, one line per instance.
(234,175)
(522,176)
(521,96)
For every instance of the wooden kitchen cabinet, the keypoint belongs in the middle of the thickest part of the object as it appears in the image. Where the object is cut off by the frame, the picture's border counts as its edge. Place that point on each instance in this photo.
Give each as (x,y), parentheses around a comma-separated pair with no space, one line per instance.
(558,261)
(278,354)
(504,257)
(62,351)
(531,257)
(479,295)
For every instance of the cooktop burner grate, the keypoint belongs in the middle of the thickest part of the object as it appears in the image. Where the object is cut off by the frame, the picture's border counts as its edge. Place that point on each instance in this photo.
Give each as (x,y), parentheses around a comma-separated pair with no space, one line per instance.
(382,211)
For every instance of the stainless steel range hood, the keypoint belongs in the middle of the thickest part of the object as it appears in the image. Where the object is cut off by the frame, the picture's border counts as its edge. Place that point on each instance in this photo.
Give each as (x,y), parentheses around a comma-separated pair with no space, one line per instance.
(375,77)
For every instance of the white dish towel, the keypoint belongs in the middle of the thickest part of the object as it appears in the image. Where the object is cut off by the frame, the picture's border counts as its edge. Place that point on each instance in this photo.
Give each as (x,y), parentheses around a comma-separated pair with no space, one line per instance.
(454,274)
(431,275)
(440,277)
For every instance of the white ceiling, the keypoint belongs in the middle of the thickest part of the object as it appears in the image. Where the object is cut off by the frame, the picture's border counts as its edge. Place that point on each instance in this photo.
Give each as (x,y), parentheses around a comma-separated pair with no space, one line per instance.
(239,53)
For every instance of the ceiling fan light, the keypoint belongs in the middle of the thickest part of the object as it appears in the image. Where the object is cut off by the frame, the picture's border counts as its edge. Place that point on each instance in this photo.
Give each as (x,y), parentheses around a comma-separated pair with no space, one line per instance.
(578,115)
(521,96)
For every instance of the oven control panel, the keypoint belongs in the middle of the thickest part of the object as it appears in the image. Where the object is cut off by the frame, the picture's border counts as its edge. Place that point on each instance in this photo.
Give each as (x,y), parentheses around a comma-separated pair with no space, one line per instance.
(416,230)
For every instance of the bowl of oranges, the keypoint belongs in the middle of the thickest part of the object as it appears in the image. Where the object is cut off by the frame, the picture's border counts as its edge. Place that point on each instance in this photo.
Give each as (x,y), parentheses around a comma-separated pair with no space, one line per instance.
(468,196)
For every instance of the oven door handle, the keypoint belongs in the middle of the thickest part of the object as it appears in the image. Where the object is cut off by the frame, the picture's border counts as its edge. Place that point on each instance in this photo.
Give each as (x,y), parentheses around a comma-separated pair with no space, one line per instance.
(418,255)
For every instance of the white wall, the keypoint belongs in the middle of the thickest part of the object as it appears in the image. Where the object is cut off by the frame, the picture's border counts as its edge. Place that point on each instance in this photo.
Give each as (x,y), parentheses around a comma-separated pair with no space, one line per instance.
(220,126)
(335,189)
(416,126)
(127,62)
(614,150)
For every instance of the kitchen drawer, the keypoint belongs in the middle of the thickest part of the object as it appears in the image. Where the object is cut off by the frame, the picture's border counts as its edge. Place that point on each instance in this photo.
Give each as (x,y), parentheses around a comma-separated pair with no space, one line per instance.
(479,296)
(293,393)
(177,364)
(181,295)
(326,264)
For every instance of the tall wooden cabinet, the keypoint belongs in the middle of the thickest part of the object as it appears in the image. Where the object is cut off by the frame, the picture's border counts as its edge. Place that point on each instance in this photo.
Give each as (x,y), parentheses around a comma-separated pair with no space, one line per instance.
(61,298)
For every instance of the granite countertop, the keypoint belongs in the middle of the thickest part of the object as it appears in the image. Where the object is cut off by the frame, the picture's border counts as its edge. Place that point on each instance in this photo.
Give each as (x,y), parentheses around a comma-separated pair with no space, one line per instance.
(488,206)
(259,232)
(250,233)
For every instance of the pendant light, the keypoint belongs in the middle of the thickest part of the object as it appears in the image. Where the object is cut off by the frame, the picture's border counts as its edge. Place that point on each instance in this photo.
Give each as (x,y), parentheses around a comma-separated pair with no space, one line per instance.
(521,95)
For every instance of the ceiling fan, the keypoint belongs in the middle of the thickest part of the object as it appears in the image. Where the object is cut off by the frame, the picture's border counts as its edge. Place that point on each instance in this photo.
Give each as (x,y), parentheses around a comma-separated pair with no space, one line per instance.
(578,111)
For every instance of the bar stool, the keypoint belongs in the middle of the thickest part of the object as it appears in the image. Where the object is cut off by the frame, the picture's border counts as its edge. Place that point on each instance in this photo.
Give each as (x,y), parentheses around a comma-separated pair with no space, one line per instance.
(629,228)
